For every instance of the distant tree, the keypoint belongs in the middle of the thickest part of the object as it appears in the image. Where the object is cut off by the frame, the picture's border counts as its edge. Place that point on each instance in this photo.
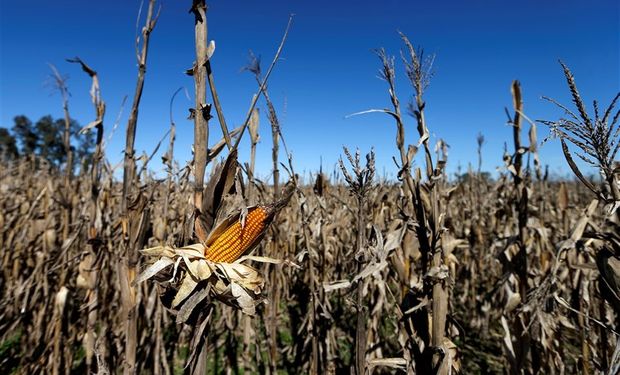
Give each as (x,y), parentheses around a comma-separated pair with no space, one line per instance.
(8,145)
(44,139)
(24,132)
(50,146)
(466,177)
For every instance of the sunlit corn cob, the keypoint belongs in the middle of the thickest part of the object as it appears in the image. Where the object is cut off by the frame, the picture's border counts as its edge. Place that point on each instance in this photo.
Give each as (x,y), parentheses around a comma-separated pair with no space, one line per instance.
(235,240)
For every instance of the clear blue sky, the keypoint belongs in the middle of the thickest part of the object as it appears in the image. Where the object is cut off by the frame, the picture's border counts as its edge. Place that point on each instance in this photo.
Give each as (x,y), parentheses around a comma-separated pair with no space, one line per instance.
(327,69)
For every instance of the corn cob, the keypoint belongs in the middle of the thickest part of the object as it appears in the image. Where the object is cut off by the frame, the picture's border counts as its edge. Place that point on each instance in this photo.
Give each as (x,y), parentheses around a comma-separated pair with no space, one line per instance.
(236,240)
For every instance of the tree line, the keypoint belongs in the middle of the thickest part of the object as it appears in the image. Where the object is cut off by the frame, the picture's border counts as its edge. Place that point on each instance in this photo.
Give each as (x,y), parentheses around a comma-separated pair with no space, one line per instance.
(44,139)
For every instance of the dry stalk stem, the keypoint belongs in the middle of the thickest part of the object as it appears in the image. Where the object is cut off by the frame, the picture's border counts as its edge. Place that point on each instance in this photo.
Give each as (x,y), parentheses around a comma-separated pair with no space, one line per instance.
(61,85)
(360,185)
(254,67)
(201,115)
(169,161)
(141,56)
(264,82)
(360,331)
(202,111)
(424,205)
(275,131)
(216,101)
(128,271)
(66,216)
(521,203)
(90,262)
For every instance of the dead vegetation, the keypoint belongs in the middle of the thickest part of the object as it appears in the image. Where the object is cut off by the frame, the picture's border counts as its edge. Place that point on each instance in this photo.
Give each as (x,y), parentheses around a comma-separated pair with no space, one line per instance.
(422,275)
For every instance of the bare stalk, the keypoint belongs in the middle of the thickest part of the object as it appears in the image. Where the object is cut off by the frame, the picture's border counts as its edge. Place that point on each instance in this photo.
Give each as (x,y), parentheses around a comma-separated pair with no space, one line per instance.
(91,261)
(201,115)
(130,162)
(254,67)
(216,101)
(419,76)
(132,225)
(360,183)
(521,203)
(264,82)
(169,160)
(61,85)
(202,110)
(424,203)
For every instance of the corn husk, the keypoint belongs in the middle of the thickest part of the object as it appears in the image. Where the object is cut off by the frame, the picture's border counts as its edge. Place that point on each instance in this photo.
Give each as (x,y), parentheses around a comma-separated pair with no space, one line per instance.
(193,279)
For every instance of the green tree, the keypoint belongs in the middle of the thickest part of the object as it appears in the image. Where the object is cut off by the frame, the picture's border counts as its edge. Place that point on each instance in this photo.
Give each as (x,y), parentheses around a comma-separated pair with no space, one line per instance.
(50,146)
(25,134)
(44,139)
(8,145)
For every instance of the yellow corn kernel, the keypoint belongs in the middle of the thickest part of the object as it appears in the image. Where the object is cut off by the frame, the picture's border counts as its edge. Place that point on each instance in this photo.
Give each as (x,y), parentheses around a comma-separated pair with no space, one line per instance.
(235,240)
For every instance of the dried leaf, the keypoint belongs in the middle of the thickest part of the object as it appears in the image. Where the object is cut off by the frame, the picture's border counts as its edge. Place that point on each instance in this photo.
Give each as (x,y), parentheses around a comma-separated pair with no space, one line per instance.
(190,305)
(153,269)
(397,363)
(336,285)
(187,287)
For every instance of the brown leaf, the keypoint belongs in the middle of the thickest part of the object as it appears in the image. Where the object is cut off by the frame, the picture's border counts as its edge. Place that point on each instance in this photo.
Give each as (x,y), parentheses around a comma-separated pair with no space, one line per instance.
(220,184)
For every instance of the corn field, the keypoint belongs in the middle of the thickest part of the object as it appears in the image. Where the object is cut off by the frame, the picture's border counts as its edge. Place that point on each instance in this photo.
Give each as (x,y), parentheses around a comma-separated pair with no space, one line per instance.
(211,270)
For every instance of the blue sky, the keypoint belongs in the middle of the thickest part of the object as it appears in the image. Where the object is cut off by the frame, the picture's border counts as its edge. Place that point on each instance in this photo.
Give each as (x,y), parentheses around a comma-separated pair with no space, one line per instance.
(327,70)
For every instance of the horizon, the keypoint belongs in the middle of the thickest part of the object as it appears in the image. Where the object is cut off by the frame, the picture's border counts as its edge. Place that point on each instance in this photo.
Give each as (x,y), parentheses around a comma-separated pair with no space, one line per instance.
(327,71)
